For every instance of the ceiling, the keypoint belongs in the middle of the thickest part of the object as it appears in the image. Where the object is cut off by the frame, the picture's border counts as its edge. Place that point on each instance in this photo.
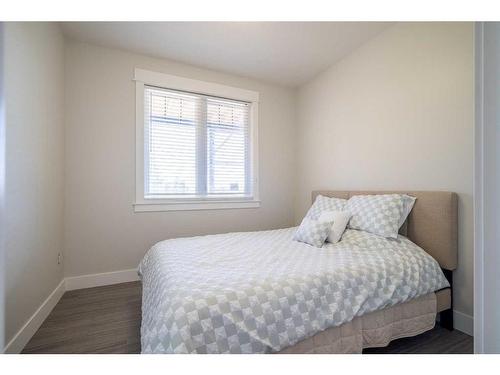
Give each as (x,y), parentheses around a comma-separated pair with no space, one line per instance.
(285,53)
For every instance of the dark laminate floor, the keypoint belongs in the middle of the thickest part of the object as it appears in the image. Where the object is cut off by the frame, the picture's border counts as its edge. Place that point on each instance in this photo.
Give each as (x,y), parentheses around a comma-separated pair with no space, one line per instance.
(436,341)
(107,320)
(96,320)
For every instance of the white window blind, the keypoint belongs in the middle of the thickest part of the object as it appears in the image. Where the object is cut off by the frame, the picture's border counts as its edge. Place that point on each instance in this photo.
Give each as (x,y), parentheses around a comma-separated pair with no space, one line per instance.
(195,146)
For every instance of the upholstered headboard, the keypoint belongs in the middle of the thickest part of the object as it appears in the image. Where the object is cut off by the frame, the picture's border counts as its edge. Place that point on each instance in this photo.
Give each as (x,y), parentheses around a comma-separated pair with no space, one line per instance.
(432,224)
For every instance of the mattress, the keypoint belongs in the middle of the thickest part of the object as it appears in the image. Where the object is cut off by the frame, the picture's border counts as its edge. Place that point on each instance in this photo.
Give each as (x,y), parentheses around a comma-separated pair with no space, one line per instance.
(261,292)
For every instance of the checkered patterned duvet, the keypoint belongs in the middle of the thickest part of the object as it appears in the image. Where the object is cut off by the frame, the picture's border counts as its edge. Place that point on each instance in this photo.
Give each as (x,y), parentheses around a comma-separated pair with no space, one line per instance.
(259,292)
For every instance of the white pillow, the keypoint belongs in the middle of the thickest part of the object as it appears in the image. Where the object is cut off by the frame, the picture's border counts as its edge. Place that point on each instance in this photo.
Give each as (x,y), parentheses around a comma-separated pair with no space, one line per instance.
(322,203)
(313,232)
(377,214)
(408,202)
(340,220)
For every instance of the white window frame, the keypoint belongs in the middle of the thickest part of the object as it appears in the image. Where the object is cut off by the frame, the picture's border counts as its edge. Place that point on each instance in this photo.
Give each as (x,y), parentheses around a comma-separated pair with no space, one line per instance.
(144,77)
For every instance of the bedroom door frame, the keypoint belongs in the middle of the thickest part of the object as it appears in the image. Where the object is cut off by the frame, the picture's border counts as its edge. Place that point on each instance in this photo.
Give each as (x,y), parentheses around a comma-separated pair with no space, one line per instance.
(2,194)
(486,186)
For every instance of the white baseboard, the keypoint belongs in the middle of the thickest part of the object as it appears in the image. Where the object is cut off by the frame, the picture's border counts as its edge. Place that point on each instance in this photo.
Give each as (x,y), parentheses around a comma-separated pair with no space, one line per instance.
(27,331)
(463,322)
(101,279)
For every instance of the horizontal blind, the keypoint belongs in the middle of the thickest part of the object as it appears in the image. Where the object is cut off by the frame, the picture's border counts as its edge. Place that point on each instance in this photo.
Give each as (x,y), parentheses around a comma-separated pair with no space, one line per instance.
(195,145)
(171,122)
(227,147)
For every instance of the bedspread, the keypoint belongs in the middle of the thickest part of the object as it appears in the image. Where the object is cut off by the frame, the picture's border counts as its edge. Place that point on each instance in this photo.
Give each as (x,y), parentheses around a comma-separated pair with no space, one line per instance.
(260,292)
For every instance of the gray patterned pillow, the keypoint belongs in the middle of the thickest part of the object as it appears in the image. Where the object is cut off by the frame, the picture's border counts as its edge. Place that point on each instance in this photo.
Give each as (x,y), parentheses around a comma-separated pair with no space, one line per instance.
(313,232)
(323,203)
(377,214)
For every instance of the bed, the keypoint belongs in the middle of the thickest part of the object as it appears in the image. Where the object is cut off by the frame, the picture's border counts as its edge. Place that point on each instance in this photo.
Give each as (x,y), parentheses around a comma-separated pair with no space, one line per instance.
(261,292)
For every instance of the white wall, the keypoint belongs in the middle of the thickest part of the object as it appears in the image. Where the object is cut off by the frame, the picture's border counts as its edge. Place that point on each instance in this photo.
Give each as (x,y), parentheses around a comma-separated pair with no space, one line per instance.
(102,231)
(34,68)
(396,114)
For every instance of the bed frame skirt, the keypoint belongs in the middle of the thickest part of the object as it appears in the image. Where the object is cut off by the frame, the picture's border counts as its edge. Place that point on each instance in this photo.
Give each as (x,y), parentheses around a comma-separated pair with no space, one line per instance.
(376,329)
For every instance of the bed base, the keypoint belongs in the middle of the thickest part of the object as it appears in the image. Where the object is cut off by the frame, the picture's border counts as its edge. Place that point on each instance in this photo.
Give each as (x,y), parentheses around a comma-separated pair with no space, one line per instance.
(446,316)
(375,329)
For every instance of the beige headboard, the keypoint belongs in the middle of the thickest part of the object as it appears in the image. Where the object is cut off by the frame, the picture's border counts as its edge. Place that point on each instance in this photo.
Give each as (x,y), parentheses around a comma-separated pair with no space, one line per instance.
(432,224)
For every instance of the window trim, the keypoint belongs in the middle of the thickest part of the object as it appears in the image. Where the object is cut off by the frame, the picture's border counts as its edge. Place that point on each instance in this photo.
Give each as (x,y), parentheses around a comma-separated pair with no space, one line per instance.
(144,77)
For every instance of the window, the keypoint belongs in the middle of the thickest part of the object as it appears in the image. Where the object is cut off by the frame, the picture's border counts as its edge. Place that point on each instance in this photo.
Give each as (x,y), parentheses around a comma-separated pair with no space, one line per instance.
(196,144)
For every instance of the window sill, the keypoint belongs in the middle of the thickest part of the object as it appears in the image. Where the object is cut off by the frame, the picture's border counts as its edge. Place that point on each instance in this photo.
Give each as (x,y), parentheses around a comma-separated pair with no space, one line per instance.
(192,206)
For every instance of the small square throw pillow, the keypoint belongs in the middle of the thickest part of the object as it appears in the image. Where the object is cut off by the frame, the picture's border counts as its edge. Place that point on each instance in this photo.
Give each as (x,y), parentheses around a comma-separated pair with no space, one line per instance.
(340,220)
(322,203)
(313,232)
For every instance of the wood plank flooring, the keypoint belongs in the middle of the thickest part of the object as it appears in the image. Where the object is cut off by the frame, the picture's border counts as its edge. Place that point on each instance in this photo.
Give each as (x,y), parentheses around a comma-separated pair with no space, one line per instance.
(96,320)
(436,341)
(107,320)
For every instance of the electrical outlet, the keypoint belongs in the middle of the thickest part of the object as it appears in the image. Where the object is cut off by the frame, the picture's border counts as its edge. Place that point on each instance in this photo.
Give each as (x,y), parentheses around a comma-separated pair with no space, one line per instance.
(59,258)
